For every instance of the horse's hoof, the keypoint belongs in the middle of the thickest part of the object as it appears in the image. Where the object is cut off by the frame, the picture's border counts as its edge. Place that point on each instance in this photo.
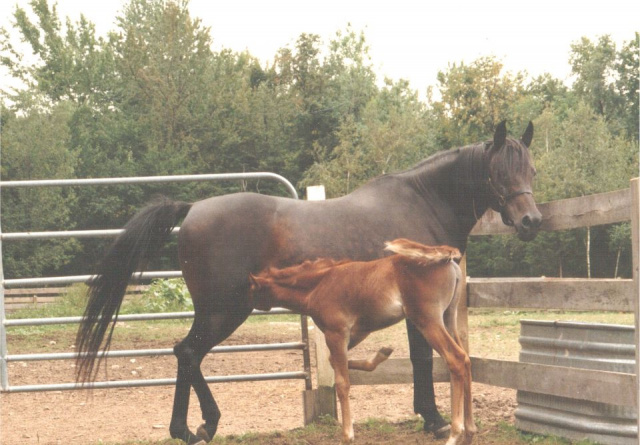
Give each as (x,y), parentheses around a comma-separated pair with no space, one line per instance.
(386,351)
(202,434)
(440,428)
(195,440)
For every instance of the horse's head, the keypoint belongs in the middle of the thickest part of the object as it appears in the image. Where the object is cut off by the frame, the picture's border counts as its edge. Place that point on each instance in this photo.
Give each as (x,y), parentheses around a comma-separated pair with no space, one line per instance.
(509,181)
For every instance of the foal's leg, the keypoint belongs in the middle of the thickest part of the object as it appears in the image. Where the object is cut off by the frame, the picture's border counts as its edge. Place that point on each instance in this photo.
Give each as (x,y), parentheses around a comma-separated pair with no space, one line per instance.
(451,323)
(337,344)
(424,399)
(371,364)
(458,363)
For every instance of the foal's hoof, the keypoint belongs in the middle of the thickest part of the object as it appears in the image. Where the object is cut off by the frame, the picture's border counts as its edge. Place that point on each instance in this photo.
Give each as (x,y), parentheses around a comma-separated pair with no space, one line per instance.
(386,351)
(440,428)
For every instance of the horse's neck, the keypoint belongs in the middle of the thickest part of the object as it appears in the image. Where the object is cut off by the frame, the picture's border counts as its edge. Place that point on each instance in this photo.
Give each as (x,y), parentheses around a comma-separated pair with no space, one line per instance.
(455,179)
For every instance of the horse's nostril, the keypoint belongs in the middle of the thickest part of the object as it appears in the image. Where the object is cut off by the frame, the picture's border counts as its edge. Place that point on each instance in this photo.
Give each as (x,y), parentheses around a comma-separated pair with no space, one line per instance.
(530,223)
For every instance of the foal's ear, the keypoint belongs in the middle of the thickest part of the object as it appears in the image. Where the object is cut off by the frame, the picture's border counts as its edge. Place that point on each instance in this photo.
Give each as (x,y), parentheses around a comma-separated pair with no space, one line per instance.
(253,283)
(500,135)
(527,136)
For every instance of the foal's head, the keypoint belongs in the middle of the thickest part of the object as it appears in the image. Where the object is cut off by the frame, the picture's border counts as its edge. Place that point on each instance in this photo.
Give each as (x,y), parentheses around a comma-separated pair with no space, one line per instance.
(273,286)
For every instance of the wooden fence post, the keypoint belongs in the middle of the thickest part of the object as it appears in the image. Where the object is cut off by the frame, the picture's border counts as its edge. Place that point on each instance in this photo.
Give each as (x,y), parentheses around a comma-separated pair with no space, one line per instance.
(635,252)
(463,307)
(321,401)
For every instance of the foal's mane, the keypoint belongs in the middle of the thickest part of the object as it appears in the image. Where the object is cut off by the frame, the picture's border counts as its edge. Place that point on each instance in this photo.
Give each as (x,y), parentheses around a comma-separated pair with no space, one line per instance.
(421,254)
(301,276)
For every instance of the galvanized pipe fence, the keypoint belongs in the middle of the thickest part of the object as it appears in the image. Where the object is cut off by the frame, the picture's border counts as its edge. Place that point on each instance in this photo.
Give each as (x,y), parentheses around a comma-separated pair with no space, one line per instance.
(5,357)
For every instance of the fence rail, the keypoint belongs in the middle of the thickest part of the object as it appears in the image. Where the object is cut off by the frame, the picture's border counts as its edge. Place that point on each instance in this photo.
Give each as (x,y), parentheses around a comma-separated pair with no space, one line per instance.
(5,323)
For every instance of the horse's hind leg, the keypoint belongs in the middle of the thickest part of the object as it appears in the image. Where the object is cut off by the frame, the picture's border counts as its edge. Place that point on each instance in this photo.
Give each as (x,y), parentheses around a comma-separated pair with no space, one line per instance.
(205,333)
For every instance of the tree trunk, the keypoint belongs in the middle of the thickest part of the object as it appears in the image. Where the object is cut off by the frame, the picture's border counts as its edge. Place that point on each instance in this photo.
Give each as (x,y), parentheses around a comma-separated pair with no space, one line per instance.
(615,273)
(588,252)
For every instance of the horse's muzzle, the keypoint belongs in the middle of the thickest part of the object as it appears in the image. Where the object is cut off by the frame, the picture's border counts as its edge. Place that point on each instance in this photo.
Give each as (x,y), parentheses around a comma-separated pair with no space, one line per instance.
(529,225)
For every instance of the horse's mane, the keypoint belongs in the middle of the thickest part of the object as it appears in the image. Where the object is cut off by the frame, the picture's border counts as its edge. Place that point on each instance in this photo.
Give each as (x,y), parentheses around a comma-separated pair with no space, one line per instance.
(421,254)
(301,276)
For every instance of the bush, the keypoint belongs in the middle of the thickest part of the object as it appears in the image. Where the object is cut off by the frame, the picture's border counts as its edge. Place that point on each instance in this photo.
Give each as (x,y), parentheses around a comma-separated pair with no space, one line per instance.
(167,296)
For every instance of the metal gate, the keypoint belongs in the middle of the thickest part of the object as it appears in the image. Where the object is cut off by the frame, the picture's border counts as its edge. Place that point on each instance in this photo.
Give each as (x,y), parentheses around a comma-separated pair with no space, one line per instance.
(5,357)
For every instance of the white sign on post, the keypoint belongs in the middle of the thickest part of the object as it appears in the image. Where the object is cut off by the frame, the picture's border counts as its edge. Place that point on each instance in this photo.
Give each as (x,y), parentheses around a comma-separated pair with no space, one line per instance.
(315,193)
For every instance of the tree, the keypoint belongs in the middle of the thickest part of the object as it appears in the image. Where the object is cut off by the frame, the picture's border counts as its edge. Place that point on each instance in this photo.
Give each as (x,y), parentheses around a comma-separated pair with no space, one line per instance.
(474,98)
(581,157)
(162,59)
(72,63)
(34,147)
(607,80)
(391,134)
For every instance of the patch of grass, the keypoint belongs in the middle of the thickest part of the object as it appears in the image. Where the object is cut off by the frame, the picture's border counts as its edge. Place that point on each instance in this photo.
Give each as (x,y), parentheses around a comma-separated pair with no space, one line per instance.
(376,431)
(70,304)
(508,433)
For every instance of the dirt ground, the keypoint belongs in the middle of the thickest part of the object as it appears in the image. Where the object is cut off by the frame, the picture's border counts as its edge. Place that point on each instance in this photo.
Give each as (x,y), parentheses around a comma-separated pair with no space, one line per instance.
(129,414)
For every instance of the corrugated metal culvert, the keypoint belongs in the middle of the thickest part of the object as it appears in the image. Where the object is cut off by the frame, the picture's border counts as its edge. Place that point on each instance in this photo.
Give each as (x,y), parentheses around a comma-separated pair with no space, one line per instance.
(578,345)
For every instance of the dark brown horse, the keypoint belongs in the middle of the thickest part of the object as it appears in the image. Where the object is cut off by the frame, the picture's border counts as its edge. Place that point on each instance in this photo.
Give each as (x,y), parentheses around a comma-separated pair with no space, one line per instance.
(348,300)
(223,239)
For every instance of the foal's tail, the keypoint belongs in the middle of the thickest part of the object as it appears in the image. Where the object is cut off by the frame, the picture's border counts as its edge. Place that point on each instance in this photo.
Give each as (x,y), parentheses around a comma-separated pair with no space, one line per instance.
(422,254)
(141,240)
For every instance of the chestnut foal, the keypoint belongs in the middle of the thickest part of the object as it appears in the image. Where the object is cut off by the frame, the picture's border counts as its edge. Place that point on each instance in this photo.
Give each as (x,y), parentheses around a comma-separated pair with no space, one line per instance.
(350,299)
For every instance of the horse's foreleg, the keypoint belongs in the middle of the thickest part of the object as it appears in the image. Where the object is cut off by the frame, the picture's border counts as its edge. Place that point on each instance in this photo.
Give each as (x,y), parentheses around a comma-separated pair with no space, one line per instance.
(424,400)
(371,364)
(337,344)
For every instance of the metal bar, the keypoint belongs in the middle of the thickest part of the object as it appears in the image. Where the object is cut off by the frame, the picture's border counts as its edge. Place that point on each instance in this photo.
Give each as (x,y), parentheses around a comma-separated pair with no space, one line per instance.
(4,371)
(126,317)
(157,382)
(17,282)
(64,234)
(157,352)
(635,253)
(4,323)
(153,179)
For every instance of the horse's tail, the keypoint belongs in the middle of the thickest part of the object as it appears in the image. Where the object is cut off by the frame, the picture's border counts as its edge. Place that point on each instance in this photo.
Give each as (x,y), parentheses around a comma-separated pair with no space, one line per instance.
(422,254)
(141,240)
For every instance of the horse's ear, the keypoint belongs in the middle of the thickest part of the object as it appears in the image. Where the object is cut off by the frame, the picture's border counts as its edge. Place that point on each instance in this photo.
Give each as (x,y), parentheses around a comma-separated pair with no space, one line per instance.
(527,136)
(500,135)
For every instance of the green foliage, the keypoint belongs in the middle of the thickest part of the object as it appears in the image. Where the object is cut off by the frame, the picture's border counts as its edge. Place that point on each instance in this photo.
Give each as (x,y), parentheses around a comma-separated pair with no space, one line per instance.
(70,304)
(167,296)
(36,147)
